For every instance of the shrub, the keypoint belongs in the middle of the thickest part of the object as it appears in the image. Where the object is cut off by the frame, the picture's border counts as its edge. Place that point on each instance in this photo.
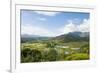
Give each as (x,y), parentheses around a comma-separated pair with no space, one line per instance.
(84,49)
(52,55)
(28,55)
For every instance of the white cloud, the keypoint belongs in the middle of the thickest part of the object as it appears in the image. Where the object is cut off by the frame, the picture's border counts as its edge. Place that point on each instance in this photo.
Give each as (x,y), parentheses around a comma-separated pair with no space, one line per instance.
(46,13)
(69,28)
(34,30)
(42,19)
(83,27)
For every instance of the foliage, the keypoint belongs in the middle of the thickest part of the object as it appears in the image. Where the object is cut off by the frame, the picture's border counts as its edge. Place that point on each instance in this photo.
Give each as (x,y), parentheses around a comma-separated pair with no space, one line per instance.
(53,51)
(29,55)
(52,55)
(51,44)
(78,56)
(84,49)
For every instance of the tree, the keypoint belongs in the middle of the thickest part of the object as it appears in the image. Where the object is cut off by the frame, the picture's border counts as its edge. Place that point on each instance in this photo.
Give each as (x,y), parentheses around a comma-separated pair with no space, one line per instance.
(84,49)
(51,44)
(52,55)
(28,55)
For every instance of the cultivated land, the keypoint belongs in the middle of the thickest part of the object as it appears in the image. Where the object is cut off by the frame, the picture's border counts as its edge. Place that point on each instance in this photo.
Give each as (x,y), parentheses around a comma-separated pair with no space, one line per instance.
(60,48)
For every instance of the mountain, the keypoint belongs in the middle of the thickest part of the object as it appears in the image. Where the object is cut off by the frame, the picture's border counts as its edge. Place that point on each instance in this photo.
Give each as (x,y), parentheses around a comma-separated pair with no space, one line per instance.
(73,37)
(78,34)
(70,37)
(31,38)
(84,34)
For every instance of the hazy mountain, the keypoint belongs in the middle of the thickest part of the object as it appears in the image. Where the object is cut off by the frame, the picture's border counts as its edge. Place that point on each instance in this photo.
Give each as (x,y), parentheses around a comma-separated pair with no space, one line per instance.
(29,38)
(73,36)
(70,37)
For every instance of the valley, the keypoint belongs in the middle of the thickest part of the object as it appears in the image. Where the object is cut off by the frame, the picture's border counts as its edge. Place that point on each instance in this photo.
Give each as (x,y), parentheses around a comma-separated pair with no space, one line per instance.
(66,47)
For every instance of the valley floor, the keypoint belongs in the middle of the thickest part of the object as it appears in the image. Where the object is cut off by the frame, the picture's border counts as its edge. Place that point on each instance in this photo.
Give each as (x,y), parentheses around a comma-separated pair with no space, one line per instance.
(53,51)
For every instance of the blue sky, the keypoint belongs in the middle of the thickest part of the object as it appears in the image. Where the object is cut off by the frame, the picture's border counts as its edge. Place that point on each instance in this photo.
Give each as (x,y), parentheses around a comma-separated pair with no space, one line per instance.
(49,23)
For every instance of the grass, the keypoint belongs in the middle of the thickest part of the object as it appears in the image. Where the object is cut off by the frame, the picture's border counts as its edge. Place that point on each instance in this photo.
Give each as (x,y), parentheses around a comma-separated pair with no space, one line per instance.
(78,56)
(76,44)
(41,52)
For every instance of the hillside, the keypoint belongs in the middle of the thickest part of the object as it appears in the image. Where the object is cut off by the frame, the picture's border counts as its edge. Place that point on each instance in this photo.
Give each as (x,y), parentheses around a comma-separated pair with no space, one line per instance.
(70,37)
(73,37)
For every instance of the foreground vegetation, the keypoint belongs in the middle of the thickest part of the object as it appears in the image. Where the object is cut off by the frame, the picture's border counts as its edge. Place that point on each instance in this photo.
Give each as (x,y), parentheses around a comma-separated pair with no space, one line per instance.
(54,51)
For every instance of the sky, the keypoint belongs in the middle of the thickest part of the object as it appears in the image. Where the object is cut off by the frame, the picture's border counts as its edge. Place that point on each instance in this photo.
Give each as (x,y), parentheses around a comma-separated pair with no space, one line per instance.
(50,23)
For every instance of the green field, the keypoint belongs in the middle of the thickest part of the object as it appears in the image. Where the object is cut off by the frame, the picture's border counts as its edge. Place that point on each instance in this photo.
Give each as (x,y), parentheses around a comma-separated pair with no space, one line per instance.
(54,51)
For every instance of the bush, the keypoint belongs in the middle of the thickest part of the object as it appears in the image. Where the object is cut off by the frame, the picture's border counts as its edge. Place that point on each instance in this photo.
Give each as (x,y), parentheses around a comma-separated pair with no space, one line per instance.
(51,44)
(84,49)
(28,55)
(52,55)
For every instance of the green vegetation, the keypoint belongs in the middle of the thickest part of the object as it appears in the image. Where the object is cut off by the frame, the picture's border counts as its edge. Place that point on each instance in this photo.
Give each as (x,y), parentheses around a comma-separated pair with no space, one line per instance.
(65,47)
(53,51)
(78,56)
(29,55)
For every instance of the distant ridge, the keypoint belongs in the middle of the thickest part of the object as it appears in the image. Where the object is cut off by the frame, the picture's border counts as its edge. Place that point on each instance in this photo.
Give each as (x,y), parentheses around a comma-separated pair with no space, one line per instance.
(70,37)
(73,36)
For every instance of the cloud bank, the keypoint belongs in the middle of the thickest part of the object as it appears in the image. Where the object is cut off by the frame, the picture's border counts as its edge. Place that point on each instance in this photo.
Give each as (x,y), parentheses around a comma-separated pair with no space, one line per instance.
(35,30)
(46,13)
(67,28)
(83,27)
